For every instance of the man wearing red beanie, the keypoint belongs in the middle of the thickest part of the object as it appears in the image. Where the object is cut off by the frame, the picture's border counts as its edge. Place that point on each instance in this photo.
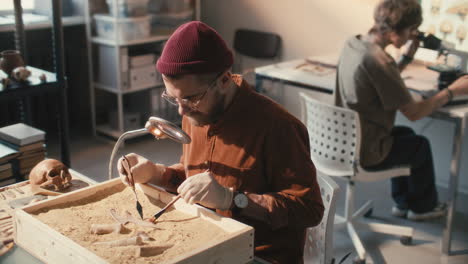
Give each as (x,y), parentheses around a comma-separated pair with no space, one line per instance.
(249,158)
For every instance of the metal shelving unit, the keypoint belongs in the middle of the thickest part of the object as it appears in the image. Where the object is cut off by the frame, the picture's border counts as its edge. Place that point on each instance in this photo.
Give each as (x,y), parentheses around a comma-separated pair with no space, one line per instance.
(116,52)
(55,82)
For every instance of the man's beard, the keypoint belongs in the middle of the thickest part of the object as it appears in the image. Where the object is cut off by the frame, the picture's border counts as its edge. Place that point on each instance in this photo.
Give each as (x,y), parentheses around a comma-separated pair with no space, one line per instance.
(201,119)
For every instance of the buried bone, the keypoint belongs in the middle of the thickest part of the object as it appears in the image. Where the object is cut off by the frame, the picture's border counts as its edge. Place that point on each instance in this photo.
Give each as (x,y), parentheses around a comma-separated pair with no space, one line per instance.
(150,251)
(7,229)
(128,218)
(101,229)
(144,236)
(138,222)
(131,241)
(10,193)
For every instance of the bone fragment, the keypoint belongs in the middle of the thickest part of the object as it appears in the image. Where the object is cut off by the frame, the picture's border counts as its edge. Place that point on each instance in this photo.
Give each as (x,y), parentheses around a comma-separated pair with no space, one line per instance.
(6,241)
(118,218)
(7,232)
(150,251)
(5,217)
(131,241)
(18,190)
(101,229)
(3,224)
(144,236)
(128,218)
(7,229)
(35,200)
(10,193)
(6,220)
(5,248)
(138,222)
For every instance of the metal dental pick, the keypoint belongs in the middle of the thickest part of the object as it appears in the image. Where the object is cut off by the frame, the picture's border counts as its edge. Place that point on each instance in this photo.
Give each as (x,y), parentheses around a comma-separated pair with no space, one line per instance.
(139,208)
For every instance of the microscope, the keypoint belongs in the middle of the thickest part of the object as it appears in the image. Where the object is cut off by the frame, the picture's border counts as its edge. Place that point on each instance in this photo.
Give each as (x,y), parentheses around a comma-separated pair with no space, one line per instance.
(448,71)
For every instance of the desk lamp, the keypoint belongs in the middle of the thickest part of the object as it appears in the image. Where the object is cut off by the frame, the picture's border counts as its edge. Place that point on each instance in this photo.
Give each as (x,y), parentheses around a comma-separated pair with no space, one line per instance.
(157,127)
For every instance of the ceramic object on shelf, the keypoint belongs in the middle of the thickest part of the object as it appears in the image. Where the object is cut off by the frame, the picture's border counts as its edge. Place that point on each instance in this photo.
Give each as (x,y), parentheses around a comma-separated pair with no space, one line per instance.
(460,9)
(10,59)
(446,27)
(21,74)
(461,33)
(435,6)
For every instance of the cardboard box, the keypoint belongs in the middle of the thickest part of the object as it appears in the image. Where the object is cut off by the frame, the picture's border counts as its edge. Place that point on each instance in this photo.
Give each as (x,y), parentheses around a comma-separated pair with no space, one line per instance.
(132,120)
(143,77)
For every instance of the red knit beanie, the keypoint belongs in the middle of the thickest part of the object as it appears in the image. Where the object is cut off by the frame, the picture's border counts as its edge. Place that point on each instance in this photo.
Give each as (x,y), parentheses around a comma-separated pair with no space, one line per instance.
(194,48)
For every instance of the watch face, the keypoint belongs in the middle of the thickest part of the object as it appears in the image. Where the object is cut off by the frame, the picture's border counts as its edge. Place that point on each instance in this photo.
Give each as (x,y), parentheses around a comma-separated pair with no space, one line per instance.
(241,200)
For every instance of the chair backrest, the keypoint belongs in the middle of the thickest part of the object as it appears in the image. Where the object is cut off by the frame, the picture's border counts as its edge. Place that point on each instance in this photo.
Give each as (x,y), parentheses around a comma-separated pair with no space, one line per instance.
(255,44)
(319,239)
(334,134)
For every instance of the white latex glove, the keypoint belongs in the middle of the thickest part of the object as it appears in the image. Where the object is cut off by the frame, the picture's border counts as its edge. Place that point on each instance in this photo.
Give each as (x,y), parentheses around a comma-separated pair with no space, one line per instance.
(142,169)
(204,189)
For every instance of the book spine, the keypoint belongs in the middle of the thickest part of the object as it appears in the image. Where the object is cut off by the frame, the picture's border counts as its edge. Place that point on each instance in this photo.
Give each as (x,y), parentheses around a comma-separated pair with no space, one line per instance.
(9,144)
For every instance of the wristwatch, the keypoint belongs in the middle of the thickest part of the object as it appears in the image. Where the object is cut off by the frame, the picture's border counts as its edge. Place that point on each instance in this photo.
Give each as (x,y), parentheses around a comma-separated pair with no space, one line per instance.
(240,200)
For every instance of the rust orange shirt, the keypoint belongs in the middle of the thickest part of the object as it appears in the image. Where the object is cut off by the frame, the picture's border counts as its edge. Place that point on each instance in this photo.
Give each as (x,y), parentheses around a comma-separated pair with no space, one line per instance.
(259,148)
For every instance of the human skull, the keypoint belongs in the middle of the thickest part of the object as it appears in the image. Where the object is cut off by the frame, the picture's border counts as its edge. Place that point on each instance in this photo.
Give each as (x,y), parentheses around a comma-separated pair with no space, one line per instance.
(50,172)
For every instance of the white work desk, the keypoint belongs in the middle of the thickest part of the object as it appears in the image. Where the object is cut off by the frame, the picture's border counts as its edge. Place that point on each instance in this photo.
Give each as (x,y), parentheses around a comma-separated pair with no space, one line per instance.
(417,77)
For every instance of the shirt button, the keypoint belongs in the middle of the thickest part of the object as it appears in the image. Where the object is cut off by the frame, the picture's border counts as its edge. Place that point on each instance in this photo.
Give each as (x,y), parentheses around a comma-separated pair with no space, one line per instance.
(207,163)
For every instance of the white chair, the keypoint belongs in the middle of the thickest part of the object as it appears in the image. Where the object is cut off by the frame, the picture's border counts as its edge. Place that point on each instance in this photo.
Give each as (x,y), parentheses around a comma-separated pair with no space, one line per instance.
(335,138)
(318,247)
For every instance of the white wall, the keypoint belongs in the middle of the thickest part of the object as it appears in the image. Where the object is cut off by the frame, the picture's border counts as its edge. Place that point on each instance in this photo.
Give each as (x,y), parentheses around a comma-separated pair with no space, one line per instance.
(307,27)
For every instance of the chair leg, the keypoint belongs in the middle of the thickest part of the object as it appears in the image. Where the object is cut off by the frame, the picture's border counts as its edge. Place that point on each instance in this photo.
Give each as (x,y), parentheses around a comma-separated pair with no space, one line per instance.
(386,228)
(363,210)
(339,223)
(350,220)
(356,241)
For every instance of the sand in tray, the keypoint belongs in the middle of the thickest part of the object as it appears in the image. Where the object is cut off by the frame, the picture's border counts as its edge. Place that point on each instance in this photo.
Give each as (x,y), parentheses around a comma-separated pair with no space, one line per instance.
(177,233)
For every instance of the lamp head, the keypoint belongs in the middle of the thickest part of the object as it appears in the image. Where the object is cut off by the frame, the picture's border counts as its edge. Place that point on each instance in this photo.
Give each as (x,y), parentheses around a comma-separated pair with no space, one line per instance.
(161,128)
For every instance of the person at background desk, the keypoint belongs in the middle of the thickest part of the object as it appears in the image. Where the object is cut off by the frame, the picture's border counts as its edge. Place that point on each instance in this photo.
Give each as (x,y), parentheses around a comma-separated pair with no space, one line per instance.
(369,82)
(249,158)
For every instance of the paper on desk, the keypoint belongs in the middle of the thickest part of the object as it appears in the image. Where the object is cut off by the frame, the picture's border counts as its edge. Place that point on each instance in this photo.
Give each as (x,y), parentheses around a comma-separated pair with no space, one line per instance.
(316,69)
(330,59)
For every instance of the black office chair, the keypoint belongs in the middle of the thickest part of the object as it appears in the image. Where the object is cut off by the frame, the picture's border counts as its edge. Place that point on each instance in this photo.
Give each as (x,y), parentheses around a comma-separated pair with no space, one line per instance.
(255,44)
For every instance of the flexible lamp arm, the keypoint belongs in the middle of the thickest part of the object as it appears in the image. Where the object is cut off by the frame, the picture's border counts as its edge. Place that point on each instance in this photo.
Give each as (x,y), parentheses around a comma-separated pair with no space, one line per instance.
(156,126)
(137,132)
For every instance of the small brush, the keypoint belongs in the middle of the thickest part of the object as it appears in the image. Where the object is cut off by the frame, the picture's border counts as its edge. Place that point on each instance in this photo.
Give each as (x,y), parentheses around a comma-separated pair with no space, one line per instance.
(162,211)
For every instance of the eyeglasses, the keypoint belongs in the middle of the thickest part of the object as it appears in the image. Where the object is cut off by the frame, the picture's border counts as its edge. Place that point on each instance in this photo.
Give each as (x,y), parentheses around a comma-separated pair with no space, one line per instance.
(192,101)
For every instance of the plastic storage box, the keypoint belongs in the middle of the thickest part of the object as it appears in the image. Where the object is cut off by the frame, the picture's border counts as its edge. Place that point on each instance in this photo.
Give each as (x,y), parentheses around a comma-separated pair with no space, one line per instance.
(123,29)
(170,20)
(128,8)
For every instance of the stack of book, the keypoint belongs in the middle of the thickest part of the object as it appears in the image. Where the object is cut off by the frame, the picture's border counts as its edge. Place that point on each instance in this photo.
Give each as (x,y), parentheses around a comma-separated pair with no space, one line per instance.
(7,156)
(28,142)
